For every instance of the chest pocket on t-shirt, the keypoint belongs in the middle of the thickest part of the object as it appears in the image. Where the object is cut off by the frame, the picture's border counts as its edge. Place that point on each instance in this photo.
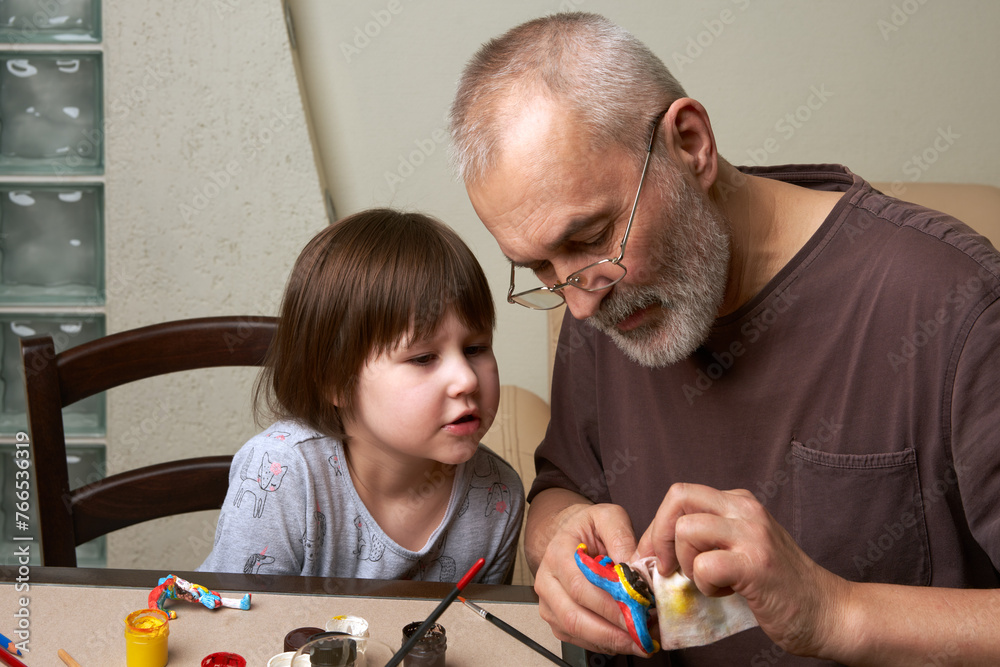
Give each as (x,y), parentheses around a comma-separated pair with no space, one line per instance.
(861,515)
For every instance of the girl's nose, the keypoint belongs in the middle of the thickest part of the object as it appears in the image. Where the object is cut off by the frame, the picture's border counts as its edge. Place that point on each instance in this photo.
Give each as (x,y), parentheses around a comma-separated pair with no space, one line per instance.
(463,378)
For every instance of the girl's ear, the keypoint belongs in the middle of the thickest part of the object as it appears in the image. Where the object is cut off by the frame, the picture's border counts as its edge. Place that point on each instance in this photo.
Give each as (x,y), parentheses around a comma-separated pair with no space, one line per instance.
(343,415)
(336,399)
(340,399)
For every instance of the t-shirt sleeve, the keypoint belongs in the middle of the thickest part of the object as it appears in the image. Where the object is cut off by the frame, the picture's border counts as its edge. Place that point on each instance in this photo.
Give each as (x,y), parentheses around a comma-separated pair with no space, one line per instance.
(569,456)
(263,519)
(975,426)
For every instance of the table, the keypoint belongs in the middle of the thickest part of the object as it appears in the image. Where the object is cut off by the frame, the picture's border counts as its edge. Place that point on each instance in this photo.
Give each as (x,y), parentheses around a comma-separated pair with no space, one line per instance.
(81,610)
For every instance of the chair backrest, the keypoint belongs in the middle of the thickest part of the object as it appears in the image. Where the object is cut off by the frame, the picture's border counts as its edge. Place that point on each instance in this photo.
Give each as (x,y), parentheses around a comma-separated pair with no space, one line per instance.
(976,205)
(52,381)
(518,428)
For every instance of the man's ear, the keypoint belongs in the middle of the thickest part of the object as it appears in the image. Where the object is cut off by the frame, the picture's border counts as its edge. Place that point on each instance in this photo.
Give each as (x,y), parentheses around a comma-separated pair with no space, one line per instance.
(687,131)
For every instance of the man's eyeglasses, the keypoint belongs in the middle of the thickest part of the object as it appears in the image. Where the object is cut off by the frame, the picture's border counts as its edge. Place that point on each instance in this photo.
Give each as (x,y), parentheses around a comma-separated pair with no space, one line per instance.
(594,277)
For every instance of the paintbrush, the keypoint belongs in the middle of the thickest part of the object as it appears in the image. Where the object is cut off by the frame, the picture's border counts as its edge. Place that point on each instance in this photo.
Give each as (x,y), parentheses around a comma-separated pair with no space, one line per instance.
(515,633)
(422,630)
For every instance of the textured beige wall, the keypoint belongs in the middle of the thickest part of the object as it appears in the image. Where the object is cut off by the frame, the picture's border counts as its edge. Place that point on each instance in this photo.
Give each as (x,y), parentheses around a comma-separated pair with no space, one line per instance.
(212,191)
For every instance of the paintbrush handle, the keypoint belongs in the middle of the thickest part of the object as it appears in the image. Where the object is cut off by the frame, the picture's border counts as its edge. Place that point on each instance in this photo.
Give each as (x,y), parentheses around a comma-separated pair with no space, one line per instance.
(525,639)
(422,630)
(515,633)
(68,659)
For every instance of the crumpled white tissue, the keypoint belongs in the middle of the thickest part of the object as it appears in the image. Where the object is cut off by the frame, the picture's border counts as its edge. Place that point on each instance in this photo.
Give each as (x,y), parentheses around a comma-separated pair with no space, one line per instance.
(686,616)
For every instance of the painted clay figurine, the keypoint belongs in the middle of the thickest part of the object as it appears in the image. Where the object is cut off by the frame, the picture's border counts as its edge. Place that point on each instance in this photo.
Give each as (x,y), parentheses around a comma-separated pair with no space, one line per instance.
(173,587)
(627,588)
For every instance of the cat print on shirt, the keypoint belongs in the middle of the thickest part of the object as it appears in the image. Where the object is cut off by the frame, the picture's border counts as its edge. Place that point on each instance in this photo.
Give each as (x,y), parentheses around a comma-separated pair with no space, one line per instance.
(313,547)
(433,566)
(269,476)
(369,546)
(335,464)
(486,475)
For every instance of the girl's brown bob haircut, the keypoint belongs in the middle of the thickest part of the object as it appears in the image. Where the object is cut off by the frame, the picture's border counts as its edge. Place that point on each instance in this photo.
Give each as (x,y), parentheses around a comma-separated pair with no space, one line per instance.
(360,288)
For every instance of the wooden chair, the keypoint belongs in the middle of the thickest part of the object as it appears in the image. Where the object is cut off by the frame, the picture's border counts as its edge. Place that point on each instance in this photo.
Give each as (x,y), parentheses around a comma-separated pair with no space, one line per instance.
(518,428)
(68,517)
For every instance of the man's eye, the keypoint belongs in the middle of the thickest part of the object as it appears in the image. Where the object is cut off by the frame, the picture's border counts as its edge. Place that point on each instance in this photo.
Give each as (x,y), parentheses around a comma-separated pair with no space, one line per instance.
(599,240)
(543,271)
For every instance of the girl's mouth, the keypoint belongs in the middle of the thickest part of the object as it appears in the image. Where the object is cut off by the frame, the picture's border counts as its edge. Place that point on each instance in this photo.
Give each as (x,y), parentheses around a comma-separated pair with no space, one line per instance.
(464,425)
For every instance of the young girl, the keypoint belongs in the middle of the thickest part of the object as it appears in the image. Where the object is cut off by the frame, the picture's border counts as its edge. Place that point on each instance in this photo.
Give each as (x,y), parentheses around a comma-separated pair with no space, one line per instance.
(383,381)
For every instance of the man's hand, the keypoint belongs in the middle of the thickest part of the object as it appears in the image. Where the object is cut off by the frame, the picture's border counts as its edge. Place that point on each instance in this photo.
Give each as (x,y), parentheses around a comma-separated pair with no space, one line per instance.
(726,541)
(578,611)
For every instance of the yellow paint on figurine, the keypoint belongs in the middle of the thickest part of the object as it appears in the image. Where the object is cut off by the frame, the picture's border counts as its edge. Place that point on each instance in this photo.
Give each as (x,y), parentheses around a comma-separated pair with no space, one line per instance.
(632,593)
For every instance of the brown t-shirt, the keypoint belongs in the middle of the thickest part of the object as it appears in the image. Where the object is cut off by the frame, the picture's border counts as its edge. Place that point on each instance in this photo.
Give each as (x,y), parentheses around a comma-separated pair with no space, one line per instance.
(855,396)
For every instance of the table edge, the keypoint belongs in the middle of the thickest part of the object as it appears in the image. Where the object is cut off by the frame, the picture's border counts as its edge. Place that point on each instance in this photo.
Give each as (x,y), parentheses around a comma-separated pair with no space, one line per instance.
(262,583)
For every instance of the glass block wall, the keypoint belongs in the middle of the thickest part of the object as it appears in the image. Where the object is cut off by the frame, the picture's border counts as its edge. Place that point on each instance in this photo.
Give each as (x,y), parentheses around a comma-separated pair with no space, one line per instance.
(50,106)
(51,223)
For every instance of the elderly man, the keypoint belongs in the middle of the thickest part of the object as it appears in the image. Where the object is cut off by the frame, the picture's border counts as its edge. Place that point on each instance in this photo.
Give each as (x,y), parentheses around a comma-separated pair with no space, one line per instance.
(778,380)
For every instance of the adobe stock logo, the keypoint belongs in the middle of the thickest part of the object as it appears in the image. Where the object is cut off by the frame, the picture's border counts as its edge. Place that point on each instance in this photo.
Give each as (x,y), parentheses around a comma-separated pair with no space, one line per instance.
(613,469)
(409,163)
(751,331)
(899,17)
(363,35)
(789,124)
(959,297)
(911,518)
(921,162)
(699,43)
(769,488)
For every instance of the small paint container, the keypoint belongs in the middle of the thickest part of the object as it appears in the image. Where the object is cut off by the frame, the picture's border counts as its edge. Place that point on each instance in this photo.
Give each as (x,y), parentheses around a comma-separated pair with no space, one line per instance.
(352,625)
(296,638)
(146,632)
(330,649)
(285,660)
(224,659)
(429,651)
(355,626)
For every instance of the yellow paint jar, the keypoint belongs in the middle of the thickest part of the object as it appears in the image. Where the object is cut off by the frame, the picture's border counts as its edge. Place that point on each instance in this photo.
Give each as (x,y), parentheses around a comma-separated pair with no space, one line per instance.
(146,632)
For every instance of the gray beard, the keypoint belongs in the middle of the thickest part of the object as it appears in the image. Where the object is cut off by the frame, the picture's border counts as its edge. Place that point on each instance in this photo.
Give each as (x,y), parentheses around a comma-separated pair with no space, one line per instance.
(689,260)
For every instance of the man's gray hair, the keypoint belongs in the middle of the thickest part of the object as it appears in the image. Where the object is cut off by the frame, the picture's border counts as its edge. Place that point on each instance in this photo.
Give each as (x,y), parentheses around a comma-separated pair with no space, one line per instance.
(598,71)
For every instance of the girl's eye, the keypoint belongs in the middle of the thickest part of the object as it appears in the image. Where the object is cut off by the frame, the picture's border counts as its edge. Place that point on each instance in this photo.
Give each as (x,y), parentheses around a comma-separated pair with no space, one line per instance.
(422,360)
(474,350)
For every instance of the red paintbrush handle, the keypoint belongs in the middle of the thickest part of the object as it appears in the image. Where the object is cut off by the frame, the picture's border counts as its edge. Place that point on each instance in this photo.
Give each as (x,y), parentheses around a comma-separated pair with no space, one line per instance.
(470,574)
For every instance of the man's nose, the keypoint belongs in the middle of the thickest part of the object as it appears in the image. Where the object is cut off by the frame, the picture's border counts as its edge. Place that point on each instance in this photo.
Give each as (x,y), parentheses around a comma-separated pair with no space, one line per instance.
(581,303)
